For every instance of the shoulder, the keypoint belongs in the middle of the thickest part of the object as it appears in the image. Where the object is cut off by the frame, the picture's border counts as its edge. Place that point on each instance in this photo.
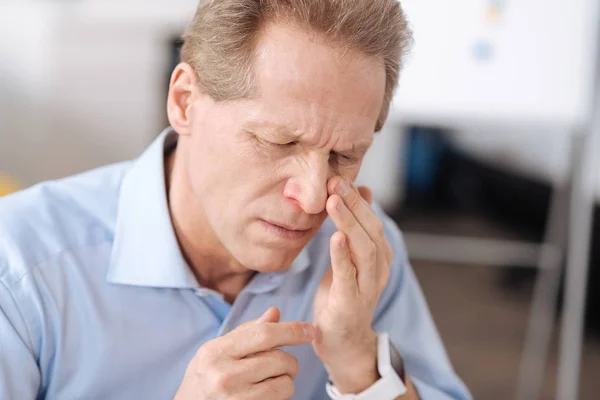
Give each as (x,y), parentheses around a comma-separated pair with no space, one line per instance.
(57,216)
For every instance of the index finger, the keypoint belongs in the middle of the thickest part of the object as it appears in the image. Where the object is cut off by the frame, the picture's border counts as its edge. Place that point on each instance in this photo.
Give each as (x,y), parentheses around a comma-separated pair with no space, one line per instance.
(261,337)
(359,207)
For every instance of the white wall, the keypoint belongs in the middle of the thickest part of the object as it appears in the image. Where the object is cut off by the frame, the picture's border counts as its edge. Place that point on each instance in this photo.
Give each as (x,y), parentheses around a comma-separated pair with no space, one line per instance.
(516,104)
(82,84)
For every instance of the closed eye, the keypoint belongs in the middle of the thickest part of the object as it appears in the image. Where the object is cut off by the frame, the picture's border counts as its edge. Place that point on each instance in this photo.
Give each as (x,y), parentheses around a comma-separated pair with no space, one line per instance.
(342,159)
(275,145)
(288,144)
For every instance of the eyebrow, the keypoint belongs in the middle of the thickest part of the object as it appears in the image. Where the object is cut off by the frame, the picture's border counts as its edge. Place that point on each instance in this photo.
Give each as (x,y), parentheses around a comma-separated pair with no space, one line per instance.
(358,149)
(282,130)
(273,129)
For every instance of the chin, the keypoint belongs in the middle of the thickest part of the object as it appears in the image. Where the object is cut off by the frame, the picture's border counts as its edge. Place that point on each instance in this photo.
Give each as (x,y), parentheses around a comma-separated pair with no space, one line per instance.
(270,260)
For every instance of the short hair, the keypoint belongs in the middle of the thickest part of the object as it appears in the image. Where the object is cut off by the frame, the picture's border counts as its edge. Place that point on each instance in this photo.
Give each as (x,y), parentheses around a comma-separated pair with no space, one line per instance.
(221,39)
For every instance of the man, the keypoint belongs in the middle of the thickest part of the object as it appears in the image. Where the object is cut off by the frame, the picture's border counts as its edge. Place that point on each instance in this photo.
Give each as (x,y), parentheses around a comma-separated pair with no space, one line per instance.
(234,259)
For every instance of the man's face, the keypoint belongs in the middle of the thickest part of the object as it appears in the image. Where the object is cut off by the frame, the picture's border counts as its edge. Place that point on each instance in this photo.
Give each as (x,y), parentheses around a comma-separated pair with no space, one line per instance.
(259,167)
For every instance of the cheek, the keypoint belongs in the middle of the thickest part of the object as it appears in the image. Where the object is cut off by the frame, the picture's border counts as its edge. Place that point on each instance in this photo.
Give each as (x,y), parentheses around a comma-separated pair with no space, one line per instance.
(351,171)
(264,168)
(233,175)
(217,157)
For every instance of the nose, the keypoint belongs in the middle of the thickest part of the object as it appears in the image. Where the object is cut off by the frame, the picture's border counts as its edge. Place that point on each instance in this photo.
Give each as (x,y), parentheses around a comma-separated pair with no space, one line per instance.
(308,186)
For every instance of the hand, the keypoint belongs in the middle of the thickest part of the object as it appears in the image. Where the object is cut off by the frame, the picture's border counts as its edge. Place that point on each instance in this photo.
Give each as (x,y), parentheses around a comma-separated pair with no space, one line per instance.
(346,299)
(245,363)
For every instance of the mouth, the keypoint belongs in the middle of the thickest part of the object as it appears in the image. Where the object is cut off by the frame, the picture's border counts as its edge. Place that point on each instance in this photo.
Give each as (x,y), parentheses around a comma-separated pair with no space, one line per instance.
(285,231)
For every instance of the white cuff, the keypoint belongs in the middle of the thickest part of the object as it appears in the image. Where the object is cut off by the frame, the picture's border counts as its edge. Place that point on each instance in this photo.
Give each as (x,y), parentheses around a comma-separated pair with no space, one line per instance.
(388,387)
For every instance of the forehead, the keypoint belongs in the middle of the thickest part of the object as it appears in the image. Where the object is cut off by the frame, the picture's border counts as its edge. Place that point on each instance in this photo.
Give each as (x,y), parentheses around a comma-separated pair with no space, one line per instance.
(312,87)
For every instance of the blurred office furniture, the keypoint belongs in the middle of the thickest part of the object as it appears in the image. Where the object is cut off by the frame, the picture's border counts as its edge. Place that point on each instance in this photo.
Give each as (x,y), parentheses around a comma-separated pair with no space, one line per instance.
(497,64)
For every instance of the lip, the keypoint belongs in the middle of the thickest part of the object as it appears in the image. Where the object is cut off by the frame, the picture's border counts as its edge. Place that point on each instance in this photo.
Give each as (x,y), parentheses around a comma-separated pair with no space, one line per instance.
(286,226)
(284,231)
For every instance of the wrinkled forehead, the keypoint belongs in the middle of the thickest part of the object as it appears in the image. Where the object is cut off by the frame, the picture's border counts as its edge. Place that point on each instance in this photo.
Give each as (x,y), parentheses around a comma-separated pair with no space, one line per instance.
(308,84)
(288,57)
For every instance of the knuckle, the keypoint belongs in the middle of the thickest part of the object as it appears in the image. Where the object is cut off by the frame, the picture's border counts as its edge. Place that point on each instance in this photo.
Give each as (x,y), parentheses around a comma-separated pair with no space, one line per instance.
(371,250)
(261,334)
(219,384)
(281,388)
(222,381)
(207,354)
(288,362)
(279,355)
(294,365)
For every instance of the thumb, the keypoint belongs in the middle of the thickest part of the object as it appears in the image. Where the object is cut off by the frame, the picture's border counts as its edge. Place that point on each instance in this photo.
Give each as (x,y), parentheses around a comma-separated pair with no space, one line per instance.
(343,270)
(271,315)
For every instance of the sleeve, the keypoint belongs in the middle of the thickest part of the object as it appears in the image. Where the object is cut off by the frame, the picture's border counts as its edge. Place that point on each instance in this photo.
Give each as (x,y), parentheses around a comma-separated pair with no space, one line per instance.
(403,313)
(19,374)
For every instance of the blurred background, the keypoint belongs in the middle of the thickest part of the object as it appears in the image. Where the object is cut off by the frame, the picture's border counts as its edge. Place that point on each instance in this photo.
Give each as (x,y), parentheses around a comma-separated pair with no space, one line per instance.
(492,123)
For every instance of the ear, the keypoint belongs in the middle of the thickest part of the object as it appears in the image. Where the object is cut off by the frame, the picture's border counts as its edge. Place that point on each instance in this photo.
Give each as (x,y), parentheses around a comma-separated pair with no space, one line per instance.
(183,91)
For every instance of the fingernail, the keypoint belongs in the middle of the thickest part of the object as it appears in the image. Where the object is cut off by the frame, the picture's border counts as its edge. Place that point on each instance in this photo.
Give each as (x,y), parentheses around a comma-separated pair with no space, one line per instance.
(343,188)
(341,207)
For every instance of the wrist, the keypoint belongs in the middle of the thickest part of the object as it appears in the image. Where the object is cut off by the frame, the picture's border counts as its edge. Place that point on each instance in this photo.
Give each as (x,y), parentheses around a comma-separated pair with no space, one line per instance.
(391,383)
(356,370)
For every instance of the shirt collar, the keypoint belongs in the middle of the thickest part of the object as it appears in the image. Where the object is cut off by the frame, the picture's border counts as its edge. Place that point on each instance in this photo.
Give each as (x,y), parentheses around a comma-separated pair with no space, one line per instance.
(145,250)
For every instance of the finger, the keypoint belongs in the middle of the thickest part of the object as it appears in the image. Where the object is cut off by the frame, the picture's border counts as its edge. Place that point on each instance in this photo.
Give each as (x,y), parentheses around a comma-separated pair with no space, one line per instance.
(359,207)
(344,271)
(272,314)
(261,337)
(269,364)
(363,250)
(366,217)
(366,194)
(279,388)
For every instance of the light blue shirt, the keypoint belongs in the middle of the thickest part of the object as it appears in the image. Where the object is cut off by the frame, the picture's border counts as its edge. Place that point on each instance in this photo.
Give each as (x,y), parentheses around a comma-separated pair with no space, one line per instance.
(97,302)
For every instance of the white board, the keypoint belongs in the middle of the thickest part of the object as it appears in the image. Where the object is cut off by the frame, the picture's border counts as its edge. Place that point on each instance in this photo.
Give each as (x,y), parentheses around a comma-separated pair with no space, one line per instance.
(511,61)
